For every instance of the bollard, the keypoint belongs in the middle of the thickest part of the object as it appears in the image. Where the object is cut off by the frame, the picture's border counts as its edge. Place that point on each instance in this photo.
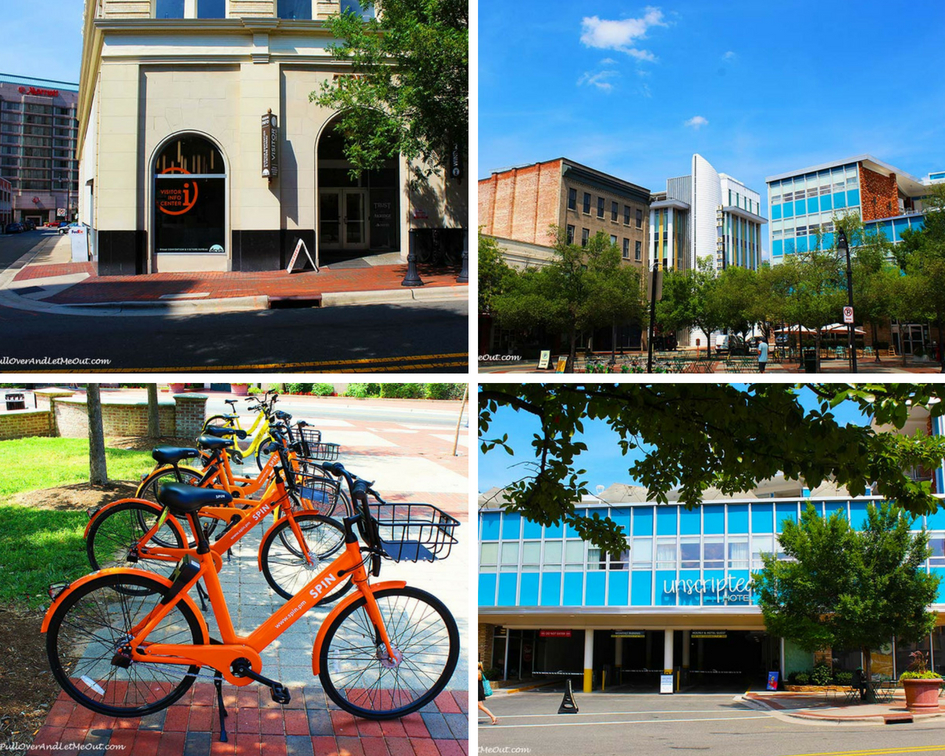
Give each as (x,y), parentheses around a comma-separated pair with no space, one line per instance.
(464,273)
(412,279)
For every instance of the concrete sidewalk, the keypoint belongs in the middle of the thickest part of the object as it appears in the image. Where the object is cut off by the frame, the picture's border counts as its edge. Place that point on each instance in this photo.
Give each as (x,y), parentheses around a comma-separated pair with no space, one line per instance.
(45,279)
(889,366)
(816,708)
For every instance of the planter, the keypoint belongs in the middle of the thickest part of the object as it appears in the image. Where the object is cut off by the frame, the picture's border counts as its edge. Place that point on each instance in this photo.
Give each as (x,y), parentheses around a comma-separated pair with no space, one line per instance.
(177,388)
(240,389)
(922,695)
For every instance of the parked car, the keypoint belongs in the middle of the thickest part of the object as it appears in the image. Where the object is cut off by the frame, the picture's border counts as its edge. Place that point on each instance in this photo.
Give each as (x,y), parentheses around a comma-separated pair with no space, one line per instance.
(64,228)
(14,228)
(730,344)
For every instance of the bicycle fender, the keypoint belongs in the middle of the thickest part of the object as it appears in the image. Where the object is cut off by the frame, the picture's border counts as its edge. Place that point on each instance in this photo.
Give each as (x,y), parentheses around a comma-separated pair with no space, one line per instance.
(320,638)
(165,468)
(99,513)
(205,632)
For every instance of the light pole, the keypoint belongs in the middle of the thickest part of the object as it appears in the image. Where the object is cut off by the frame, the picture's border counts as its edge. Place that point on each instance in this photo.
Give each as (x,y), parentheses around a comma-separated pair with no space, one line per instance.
(844,249)
(649,340)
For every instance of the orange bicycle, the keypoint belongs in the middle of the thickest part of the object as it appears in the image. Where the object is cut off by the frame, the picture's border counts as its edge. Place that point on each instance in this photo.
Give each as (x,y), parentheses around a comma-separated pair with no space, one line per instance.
(124,643)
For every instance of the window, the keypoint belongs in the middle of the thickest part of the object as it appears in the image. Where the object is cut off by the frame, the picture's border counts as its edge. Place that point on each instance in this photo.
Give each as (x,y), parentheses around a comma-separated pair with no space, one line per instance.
(353,6)
(572,199)
(713,553)
(637,250)
(614,209)
(295,9)
(211,8)
(570,234)
(574,556)
(738,554)
(937,544)
(595,560)
(641,554)
(489,555)
(585,235)
(169,9)
(552,553)
(639,218)
(510,553)
(613,240)
(531,551)
(587,203)
(666,554)
(600,207)
(626,249)
(689,553)
(626,215)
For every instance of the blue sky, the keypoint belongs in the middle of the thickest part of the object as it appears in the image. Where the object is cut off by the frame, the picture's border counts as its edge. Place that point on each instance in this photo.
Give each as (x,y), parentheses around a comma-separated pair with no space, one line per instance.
(602,460)
(42,39)
(757,88)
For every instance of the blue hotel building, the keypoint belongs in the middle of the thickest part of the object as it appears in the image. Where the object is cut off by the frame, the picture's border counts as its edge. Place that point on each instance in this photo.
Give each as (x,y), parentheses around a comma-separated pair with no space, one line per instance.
(679,600)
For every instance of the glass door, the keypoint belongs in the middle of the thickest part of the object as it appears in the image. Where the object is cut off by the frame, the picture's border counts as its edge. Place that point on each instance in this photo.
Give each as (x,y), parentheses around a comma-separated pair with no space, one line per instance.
(355,201)
(329,215)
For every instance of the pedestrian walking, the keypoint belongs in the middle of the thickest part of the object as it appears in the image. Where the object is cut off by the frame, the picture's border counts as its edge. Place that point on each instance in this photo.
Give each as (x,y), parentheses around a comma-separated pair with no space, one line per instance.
(762,356)
(482,697)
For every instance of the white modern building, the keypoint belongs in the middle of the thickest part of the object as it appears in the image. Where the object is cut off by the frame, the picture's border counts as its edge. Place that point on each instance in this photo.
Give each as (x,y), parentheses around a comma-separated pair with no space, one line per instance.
(706,214)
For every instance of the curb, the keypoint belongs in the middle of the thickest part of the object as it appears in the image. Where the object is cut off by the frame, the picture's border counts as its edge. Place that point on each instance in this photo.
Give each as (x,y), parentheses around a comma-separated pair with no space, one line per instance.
(831,718)
(394,296)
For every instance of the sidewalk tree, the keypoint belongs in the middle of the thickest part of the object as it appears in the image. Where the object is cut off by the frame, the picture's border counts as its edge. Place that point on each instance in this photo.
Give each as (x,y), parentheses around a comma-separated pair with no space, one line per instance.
(688,301)
(98,472)
(696,435)
(154,416)
(846,588)
(817,295)
(407,92)
(495,276)
(732,299)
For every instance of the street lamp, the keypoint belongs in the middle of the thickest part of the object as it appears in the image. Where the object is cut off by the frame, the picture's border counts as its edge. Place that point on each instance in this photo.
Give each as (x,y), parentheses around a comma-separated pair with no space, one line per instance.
(844,249)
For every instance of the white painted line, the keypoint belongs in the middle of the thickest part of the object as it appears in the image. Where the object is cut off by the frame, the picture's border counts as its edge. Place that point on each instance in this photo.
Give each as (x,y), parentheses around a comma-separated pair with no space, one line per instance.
(391,430)
(613,713)
(759,715)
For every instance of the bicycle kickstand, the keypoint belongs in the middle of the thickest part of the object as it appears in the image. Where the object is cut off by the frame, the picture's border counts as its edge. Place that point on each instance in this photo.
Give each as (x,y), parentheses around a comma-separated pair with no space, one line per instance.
(203,596)
(218,684)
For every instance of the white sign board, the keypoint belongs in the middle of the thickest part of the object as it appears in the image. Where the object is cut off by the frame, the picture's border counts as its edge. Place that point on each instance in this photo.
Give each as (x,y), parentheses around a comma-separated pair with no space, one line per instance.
(666,684)
(848,315)
(295,256)
(79,236)
(545,357)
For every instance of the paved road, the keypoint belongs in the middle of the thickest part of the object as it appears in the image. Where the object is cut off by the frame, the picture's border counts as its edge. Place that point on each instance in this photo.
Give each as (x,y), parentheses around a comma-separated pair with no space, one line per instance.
(667,725)
(415,337)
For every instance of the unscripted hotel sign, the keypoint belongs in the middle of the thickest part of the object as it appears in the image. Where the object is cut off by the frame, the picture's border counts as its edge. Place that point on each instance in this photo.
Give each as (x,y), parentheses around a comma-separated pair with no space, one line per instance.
(729,589)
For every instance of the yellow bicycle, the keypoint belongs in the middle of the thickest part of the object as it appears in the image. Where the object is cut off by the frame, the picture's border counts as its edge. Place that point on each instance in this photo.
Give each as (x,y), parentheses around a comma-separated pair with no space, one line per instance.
(258,431)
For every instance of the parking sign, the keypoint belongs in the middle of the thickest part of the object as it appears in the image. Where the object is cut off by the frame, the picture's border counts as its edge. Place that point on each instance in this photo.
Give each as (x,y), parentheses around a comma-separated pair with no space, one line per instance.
(848,315)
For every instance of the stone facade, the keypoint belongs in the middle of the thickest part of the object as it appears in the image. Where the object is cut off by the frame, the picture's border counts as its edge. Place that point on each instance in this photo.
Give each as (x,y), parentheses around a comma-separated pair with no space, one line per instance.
(879,195)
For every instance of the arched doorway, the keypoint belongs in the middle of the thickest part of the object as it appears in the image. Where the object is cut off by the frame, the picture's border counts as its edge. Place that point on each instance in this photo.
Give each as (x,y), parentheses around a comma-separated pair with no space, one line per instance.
(358,215)
(189,189)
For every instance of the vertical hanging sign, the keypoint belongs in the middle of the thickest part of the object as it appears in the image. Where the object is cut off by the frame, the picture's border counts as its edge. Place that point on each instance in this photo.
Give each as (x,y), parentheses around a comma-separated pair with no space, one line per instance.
(270,146)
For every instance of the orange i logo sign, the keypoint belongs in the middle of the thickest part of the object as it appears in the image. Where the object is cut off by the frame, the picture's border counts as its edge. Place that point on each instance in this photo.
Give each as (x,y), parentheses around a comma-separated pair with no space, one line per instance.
(176,200)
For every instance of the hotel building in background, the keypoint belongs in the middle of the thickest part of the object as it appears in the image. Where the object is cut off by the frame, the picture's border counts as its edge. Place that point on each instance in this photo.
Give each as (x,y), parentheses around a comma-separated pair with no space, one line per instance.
(175,100)
(38,131)
(678,601)
(705,214)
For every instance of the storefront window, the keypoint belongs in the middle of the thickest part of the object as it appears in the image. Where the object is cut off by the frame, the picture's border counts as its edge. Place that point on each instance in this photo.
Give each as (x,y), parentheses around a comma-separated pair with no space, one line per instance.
(552,553)
(211,8)
(666,554)
(488,556)
(738,553)
(190,198)
(295,9)
(642,553)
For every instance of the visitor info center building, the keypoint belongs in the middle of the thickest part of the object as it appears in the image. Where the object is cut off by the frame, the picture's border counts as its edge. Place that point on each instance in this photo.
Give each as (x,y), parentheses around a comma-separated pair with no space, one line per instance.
(679,601)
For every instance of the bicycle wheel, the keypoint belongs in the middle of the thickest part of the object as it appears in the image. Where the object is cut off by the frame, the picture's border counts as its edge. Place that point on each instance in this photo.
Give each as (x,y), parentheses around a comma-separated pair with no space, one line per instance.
(323,495)
(149,487)
(90,628)
(355,669)
(262,457)
(219,420)
(116,532)
(283,565)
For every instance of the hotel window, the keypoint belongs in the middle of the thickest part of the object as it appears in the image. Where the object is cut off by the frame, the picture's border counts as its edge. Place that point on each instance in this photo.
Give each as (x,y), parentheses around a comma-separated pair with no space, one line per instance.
(570,234)
(637,251)
(713,553)
(531,553)
(760,545)
(169,9)
(666,553)
(299,10)
(738,553)
(572,199)
(211,8)
(600,207)
(619,563)
(614,211)
(937,544)
(508,559)
(626,215)
(689,553)
(639,218)
(552,558)
(626,249)
(587,203)
(574,556)
(641,555)
(595,559)
(489,557)
(585,235)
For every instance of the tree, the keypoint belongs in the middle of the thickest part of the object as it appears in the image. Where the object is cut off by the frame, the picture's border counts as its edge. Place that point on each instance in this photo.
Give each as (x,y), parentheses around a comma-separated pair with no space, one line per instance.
(495,276)
(694,436)
(98,472)
(154,414)
(845,588)
(817,295)
(408,88)
(688,300)
(732,299)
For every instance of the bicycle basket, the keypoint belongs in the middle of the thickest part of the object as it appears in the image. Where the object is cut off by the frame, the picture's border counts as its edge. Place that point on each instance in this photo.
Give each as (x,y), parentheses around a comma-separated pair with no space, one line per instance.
(320,451)
(318,492)
(309,437)
(414,532)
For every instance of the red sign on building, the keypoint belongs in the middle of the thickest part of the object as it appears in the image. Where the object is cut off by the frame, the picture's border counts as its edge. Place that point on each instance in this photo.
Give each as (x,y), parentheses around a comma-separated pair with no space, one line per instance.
(554,633)
(39,92)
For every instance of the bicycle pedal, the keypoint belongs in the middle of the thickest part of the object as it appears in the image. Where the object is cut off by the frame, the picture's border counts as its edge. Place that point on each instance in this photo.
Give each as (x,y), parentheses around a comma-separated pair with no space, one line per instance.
(279,693)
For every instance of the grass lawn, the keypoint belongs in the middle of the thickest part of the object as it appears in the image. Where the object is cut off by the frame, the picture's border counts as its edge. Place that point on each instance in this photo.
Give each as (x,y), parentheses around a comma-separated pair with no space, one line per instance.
(42,546)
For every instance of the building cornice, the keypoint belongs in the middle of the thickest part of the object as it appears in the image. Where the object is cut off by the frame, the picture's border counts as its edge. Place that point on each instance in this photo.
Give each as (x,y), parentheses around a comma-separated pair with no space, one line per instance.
(742,213)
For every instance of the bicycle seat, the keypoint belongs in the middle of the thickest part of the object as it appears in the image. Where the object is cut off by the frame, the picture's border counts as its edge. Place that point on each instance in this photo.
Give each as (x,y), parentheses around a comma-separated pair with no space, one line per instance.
(171,455)
(229,417)
(211,442)
(220,432)
(180,498)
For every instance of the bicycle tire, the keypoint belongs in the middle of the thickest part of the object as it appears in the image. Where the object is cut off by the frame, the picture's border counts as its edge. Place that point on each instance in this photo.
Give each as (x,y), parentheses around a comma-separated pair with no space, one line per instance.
(262,457)
(283,566)
(149,487)
(321,504)
(355,676)
(94,619)
(115,531)
(223,422)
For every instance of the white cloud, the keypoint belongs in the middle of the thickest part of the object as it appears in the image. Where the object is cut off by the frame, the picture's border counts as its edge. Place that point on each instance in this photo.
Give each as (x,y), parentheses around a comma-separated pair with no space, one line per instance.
(696,122)
(598,80)
(621,35)
(730,55)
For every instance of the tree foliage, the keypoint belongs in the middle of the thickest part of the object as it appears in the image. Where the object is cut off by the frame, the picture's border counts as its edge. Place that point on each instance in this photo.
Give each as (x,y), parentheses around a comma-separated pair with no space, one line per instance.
(495,276)
(408,91)
(843,588)
(694,436)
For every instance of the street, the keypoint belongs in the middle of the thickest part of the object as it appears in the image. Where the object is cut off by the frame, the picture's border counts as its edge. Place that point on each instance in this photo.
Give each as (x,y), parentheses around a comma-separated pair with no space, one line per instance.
(414,337)
(654,725)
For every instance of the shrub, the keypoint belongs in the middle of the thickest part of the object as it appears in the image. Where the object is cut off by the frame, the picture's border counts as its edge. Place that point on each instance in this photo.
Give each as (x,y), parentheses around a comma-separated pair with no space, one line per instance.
(298,388)
(491,673)
(844,678)
(255,390)
(821,675)
(322,389)
(803,678)
(444,390)
(402,390)
(363,390)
